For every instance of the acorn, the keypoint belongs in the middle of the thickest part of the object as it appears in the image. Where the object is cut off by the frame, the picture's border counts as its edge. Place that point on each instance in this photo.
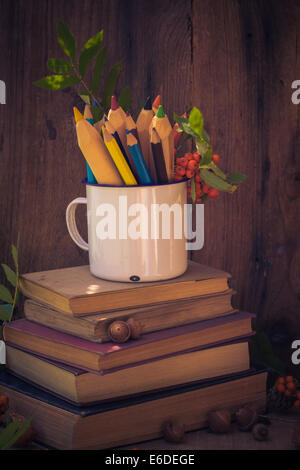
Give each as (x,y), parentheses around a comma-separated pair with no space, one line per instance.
(173,431)
(28,435)
(246,418)
(219,421)
(260,432)
(119,331)
(136,328)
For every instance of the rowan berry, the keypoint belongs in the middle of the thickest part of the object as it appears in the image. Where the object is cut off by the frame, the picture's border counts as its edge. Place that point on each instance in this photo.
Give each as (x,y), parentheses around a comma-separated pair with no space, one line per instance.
(198,199)
(181,161)
(180,170)
(189,173)
(289,378)
(212,193)
(198,178)
(192,165)
(297,404)
(189,156)
(280,388)
(178,178)
(196,157)
(288,393)
(291,387)
(281,380)
(215,159)
(205,188)
(298,395)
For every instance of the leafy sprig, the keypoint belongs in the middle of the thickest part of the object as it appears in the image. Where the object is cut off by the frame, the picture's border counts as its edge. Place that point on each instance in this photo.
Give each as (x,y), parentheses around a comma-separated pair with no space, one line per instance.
(193,127)
(10,298)
(72,72)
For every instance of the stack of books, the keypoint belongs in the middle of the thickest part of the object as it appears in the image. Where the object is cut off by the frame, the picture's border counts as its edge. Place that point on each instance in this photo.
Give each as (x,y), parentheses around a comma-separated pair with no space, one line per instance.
(85,391)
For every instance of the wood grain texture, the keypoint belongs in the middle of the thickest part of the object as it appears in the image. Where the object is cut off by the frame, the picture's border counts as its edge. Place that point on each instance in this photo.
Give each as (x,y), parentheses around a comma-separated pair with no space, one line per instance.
(235,59)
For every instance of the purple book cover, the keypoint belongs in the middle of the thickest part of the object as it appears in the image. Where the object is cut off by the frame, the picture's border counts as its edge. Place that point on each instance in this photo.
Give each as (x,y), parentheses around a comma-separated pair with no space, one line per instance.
(104,349)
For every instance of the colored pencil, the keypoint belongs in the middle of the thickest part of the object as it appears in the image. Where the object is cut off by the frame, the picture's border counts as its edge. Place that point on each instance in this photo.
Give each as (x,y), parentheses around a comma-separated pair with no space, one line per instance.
(138,158)
(96,154)
(164,129)
(87,112)
(127,156)
(143,123)
(78,117)
(158,157)
(118,158)
(131,126)
(156,104)
(117,118)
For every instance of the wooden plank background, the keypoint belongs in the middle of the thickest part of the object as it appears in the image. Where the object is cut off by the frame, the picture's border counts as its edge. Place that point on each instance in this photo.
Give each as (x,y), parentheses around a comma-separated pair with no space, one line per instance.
(235,59)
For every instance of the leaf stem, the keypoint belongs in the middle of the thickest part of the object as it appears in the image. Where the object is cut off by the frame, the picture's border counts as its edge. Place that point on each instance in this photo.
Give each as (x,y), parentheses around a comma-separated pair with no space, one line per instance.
(84,84)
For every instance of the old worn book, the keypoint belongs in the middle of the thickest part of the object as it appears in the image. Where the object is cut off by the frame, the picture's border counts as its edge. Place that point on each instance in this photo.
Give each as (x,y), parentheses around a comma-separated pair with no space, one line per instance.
(64,426)
(76,291)
(101,357)
(83,387)
(153,317)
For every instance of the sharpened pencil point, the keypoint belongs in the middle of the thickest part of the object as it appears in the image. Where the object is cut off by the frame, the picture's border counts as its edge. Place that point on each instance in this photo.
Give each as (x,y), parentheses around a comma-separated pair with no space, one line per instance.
(127,131)
(114,103)
(160,112)
(156,102)
(147,105)
(77,115)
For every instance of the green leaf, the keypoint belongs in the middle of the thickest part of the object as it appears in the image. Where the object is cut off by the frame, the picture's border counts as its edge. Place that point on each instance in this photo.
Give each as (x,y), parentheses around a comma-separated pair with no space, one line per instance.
(99,65)
(57,82)
(97,113)
(180,120)
(201,147)
(193,190)
(58,66)
(124,98)
(216,182)
(206,159)
(217,171)
(66,40)
(14,252)
(5,294)
(203,198)
(89,51)
(17,433)
(196,121)
(5,312)
(237,178)
(205,136)
(111,83)
(188,130)
(10,274)
(8,433)
(85,97)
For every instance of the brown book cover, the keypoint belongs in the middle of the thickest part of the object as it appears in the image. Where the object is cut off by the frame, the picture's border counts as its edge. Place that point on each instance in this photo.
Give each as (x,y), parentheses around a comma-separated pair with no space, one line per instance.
(77,292)
(64,426)
(152,317)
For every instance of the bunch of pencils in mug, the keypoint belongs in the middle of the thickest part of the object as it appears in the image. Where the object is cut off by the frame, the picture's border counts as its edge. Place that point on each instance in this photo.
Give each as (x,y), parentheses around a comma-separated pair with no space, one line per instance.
(119,151)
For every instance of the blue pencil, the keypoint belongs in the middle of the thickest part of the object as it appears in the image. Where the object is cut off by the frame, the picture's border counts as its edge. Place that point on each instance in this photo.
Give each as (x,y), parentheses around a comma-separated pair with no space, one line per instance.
(90,177)
(137,156)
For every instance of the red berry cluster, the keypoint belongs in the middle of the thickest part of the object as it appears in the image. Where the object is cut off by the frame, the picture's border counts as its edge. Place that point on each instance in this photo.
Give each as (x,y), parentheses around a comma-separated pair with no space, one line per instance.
(287,386)
(188,167)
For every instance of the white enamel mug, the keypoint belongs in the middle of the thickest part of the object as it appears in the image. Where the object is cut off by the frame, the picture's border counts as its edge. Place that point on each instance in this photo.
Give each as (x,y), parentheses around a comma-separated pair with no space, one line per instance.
(135,233)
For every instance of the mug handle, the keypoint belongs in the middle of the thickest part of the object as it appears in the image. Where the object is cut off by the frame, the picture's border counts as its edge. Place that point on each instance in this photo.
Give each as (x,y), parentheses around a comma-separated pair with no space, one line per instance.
(71,223)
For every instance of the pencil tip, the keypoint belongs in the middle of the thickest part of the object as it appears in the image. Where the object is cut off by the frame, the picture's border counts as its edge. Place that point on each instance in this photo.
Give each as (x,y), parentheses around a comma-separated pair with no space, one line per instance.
(147,105)
(105,118)
(114,103)
(77,115)
(127,131)
(156,102)
(160,112)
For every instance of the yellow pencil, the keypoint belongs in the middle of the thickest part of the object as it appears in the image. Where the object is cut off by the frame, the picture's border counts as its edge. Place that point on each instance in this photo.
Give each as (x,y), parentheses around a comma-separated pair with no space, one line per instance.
(118,158)
(96,154)
(77,115)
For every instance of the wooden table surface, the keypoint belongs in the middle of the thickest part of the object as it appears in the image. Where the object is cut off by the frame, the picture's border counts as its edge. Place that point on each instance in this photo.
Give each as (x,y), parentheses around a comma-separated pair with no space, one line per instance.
(280,438)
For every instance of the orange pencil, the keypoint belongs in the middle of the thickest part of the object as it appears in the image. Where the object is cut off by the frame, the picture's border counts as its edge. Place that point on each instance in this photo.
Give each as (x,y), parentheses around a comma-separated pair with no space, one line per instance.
(156,104)
(117,118)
